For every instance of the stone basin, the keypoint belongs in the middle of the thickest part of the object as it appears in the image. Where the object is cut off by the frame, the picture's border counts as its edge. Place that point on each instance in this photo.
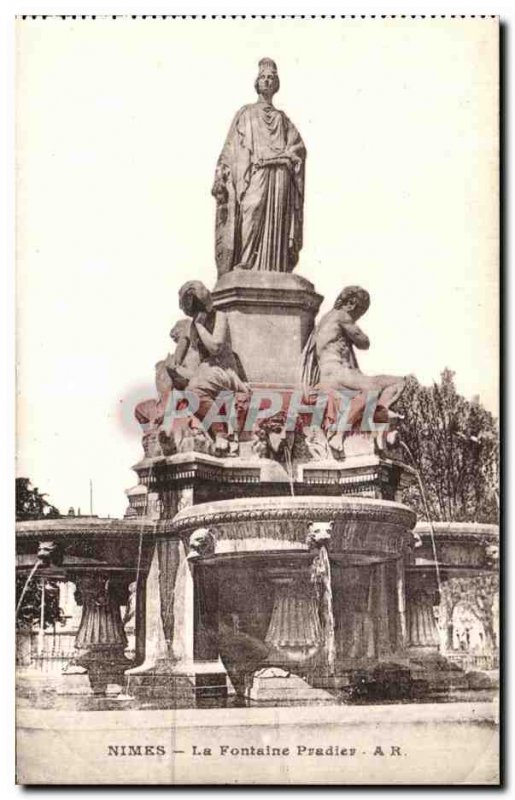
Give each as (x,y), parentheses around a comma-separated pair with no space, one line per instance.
(254,560)
(269,524)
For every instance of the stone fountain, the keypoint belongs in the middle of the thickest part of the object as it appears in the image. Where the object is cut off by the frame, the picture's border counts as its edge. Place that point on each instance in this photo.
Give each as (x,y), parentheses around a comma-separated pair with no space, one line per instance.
(267,544)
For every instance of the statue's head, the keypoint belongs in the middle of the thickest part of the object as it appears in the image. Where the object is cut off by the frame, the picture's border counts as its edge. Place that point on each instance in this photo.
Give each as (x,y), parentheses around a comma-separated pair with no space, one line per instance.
(353,299)
(267,81)
(180,330)
(194,298)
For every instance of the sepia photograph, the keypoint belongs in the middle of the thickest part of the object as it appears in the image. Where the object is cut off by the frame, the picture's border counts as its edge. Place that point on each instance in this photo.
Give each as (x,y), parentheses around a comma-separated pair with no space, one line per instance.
(257,401)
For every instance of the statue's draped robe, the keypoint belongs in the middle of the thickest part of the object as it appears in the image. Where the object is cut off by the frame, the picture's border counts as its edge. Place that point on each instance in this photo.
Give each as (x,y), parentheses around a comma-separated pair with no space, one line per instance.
(259,220)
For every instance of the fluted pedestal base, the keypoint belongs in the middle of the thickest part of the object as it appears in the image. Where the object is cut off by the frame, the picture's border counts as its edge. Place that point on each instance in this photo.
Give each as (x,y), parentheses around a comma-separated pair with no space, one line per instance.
(101,639)
(422,597)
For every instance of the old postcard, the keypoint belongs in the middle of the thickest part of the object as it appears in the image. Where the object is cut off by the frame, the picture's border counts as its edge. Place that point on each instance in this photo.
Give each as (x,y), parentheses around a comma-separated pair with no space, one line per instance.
(257,485)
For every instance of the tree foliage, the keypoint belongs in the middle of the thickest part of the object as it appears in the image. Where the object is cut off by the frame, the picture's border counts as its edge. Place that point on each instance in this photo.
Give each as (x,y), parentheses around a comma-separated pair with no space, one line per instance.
(31,504)
(454,444)
(29,614)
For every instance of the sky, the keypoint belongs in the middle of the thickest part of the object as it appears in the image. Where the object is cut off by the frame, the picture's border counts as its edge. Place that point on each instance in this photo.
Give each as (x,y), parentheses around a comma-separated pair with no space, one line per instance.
(119,125)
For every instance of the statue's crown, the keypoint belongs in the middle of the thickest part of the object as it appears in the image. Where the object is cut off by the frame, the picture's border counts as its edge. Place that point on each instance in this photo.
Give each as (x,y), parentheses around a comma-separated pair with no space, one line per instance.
(267,63)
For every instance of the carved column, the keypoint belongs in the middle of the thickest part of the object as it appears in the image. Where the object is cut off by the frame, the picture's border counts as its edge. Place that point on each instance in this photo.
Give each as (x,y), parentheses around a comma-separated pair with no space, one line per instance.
(421,597)
(358,640)
(101,639)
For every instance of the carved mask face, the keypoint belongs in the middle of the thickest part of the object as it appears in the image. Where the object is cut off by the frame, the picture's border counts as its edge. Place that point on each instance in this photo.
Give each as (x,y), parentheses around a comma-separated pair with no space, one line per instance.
(321,528)
(47,551)
(319,533)
(201,543)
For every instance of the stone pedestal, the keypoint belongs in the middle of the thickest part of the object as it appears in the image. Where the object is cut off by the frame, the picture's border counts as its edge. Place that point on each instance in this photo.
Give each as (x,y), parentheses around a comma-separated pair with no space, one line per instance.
(275,685)
(271,315)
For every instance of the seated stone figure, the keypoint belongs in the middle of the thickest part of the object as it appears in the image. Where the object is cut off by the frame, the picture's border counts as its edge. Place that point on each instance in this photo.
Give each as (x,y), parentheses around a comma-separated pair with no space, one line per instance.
(209,336)
(330,363)
(219,369)
(177,368)
(172,372)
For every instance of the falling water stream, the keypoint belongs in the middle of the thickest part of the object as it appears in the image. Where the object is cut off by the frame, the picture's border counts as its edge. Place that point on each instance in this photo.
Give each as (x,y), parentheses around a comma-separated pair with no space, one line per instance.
(37,563)
(322,577)
(426,508)
(289,469)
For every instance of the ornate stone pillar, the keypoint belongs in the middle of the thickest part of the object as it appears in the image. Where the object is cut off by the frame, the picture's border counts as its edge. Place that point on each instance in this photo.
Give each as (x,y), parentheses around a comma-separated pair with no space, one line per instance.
(101,639)
(357,638)
(422,596)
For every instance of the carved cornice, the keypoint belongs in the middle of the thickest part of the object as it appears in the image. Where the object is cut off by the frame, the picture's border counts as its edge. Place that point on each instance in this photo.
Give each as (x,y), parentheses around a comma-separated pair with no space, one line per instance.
(266,290)
(227,299)
(187,468)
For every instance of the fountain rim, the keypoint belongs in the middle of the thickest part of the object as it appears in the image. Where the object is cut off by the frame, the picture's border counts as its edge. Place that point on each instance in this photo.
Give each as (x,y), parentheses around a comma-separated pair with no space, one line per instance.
(303,507)
(105,527)
(456,531)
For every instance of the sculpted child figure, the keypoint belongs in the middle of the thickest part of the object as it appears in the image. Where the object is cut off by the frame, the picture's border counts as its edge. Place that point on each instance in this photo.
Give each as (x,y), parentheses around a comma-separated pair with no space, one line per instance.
(172,372)
(219,369)
(209,336)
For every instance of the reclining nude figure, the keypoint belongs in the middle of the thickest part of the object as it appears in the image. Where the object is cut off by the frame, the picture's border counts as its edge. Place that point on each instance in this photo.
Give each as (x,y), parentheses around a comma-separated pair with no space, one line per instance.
(329,360)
